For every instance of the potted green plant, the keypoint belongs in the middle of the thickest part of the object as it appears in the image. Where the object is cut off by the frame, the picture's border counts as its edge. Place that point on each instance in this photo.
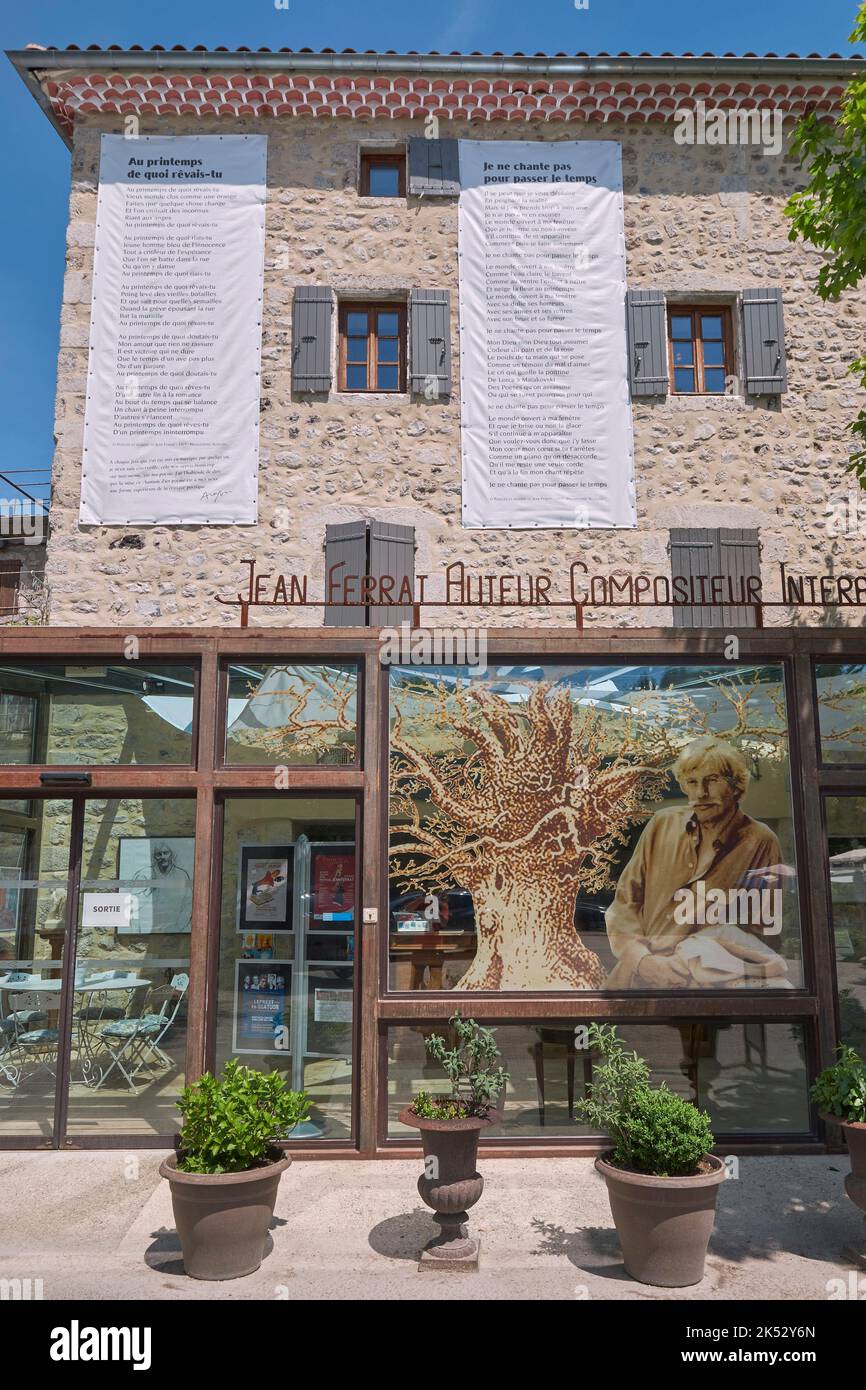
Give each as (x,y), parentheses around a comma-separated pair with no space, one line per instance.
(450,1128)
(662,1180)
(840,1094)
(227,1168)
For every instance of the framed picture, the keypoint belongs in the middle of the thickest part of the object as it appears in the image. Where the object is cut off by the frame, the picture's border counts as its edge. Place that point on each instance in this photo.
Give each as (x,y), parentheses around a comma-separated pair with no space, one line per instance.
(263,991)
(266,887)
(333,875)
(164,864)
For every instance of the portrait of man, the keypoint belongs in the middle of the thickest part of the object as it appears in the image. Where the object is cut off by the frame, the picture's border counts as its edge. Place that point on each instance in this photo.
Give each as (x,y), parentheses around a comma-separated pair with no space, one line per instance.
(698,904)
(164,902)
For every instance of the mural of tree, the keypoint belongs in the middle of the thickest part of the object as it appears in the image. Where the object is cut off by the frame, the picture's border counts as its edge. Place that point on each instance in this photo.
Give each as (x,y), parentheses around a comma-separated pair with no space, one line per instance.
(526,801)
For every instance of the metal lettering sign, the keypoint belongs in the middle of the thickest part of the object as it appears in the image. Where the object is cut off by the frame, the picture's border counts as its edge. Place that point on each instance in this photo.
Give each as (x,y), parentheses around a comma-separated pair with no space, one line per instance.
(578,589)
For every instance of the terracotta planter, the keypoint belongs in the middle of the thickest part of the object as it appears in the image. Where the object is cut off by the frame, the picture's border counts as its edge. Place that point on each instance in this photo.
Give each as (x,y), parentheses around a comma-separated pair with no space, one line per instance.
(450,1184)
(854,1134)
(664,1224)
(223,1219)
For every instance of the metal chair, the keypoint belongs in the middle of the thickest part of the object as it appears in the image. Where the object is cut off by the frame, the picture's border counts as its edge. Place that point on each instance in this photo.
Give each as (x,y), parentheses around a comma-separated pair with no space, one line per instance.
(134,1043)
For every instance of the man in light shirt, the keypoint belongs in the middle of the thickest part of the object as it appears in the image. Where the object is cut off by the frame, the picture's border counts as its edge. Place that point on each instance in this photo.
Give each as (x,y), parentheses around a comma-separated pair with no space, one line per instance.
(711,843)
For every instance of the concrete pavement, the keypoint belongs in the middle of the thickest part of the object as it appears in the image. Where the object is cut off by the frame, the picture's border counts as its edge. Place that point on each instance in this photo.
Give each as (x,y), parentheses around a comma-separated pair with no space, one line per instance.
(99,1225)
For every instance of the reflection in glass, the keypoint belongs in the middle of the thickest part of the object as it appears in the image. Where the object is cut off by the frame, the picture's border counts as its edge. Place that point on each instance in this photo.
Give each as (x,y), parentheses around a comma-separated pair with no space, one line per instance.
(751,1076)
(846,848)
(591,828)
(287,948)
(98,715)
(291,714)
(842,711)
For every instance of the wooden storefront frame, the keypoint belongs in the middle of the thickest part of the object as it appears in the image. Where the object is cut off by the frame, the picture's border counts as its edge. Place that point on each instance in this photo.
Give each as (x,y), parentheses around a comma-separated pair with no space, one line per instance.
(816,1007)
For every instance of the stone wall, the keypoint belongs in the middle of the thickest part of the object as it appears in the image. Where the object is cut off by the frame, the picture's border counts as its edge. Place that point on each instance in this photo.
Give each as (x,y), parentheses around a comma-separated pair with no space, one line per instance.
(699,220)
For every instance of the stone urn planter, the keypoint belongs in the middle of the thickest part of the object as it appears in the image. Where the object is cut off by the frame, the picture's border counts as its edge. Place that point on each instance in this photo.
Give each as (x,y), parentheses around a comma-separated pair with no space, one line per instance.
(854,1134)
(664,1224)
(223,1219)
(450,1185)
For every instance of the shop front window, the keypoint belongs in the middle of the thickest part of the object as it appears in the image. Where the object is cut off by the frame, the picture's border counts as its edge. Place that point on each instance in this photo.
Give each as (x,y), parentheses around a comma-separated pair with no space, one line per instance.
(591,828)
(287,949)
(302,715)
(96,715)
(841,691)
(750,1076)
(846,849)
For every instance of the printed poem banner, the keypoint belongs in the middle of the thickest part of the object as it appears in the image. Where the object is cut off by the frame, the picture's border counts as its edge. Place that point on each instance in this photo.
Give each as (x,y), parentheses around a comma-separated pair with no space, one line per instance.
(546,419)
(172,416)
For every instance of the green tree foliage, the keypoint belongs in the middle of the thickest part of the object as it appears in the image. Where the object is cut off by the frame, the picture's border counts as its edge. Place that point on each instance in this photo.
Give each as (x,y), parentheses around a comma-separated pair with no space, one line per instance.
(231,1121)
(652,1129)
(469,1065)
(830,212)
(841,1089)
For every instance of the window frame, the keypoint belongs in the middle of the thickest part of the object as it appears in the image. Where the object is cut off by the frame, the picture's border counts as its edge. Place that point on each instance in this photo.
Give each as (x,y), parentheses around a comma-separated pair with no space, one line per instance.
(369,307)
(723,311)
(390,159)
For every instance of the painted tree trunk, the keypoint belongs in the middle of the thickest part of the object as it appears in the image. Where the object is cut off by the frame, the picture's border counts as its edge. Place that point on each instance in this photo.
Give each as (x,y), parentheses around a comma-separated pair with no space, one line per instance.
(526,936)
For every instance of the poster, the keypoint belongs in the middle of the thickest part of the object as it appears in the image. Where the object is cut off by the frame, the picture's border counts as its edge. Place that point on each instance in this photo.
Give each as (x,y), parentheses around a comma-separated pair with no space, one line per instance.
(164,865)
(638,836)
(332,1006)
(261,1013)
(333,887)
(546,430)
(266,887)
(172,414)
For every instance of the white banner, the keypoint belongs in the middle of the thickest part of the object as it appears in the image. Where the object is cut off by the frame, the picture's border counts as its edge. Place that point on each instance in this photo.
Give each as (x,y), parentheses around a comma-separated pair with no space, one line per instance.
(171,431)
(545,412)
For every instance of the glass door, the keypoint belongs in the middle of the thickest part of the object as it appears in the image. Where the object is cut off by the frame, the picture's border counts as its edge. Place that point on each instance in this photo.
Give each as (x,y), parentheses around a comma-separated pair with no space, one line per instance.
(35,865)
(287,948)
(93,1024)
(130,984)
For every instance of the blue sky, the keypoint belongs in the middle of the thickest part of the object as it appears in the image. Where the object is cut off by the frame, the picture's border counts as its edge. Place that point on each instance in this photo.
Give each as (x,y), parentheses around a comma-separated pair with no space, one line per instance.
(36,163)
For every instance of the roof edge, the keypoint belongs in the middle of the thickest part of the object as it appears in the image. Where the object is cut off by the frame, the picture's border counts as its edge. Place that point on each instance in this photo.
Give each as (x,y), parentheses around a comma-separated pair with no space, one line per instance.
(91,60)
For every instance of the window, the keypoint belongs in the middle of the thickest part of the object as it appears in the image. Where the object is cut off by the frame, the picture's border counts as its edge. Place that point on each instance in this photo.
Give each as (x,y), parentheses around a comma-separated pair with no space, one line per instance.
(372,347)
(749,1075)
(91,715)
(383,175)
(701,349)
(502,878)
(287,713)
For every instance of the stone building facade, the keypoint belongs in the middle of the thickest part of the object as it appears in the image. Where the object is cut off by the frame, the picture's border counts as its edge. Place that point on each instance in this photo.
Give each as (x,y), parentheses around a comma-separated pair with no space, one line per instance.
(702,223)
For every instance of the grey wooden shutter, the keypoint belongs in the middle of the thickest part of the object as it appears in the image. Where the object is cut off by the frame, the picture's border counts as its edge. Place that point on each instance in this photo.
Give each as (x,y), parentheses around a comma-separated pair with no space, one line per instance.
(346,545)
(695,555)
(765,366)
(707,553)
(430,342)
(739,559)
(312,310)
(646,330)
(392,553)
(434,168)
